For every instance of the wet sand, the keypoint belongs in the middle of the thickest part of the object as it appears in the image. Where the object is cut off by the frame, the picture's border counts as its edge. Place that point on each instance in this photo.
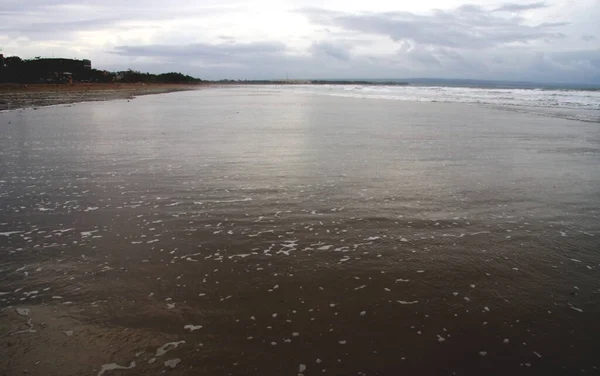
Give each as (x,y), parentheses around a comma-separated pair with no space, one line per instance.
(13,96)
(281,234)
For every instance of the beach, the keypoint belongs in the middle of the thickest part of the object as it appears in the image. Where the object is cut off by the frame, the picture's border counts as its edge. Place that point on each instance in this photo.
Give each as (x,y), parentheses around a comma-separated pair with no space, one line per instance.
(13,96)
(274,231)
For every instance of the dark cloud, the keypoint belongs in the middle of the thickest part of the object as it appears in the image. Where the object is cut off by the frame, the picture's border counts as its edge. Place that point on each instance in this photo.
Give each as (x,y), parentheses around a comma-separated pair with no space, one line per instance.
(466,27)
(513,7)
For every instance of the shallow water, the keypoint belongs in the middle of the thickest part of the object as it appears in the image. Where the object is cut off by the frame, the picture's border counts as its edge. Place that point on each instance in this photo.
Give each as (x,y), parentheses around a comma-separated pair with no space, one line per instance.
(379,237)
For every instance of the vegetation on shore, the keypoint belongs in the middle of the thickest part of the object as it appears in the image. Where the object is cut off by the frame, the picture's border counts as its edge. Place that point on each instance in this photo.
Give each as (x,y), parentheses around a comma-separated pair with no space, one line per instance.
(13,69)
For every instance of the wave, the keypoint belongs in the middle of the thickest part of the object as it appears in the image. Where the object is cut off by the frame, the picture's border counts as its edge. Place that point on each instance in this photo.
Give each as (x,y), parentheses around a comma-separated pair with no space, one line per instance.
(581,105)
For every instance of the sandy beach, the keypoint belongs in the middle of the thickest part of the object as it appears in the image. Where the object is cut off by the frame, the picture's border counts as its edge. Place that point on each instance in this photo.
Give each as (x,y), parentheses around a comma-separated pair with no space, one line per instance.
(14,96)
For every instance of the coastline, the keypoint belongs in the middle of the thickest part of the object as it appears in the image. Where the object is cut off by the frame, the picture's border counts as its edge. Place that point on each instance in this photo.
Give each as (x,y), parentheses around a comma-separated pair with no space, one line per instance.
(15,96)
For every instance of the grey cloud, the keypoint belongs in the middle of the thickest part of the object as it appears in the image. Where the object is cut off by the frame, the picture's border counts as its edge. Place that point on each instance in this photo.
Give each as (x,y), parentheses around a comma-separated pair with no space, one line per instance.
(513,7)
(581,66)
(469,8)
(71,16)
(429,58)
(467,27)
(328,49)
(207,53)
(519,64)
(226,38)
(57,27)
(553,24)
(588,38)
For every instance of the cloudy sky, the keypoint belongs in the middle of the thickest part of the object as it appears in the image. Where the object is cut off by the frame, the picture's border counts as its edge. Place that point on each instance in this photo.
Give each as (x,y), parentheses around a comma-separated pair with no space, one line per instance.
(550,41)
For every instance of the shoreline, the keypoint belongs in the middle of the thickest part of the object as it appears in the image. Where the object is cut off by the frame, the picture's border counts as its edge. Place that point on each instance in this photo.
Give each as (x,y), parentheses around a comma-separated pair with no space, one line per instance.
(16,96)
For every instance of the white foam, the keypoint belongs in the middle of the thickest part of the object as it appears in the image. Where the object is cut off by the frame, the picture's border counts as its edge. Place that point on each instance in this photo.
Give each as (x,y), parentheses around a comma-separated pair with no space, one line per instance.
(9,233)
(407,302)
(261,232)
(569,104)
(228,201)
(192,328)
(113,366)
(324,248)
(172,363)
(23,311)
(168,347)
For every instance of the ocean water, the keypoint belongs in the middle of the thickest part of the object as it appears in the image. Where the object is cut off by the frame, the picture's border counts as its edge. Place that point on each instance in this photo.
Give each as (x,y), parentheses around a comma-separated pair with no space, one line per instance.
(278,230)
(583,105)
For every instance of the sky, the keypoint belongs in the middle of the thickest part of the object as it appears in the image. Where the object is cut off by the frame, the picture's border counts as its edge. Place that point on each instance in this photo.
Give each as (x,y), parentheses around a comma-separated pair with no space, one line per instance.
(539,41)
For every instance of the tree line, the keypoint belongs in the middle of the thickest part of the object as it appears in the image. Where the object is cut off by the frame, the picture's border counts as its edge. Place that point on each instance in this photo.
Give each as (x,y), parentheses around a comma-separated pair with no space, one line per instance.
(13,69)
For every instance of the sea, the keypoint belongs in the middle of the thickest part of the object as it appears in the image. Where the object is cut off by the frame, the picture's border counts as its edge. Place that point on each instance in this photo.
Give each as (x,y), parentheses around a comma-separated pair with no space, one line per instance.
(575,102)
(303,230)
